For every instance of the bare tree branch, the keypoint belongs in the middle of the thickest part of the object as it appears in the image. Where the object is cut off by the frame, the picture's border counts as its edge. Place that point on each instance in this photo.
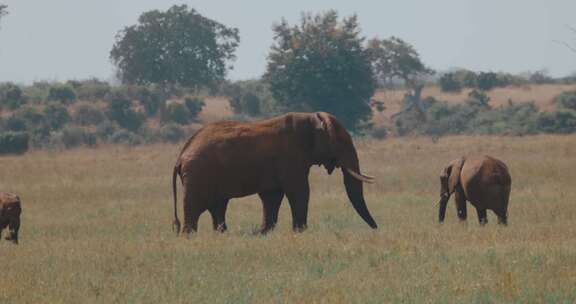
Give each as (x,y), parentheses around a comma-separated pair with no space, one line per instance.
(573,49)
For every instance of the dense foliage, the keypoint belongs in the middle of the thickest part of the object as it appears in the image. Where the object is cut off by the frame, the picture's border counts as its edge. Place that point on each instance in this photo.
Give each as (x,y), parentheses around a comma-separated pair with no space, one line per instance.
(321,64)
(174,47)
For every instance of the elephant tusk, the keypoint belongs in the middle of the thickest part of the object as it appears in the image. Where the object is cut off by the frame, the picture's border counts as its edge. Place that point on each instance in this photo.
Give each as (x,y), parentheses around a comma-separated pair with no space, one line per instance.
(361,177)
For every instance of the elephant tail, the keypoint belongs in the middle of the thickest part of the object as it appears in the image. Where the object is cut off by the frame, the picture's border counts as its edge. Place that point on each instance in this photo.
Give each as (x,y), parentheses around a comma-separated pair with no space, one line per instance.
(176,223)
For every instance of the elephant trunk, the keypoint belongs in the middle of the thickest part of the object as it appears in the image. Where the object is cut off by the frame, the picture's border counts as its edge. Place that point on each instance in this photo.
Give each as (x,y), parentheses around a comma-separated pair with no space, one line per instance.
(354,188)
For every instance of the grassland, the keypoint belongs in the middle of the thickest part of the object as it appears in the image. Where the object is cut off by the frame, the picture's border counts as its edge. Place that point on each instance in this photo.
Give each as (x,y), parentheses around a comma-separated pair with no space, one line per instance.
(96,229)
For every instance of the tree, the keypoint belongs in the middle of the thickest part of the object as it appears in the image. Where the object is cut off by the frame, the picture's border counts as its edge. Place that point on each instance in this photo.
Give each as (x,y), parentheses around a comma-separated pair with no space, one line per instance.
(394,58)
(322,65)
(3,11)
(175,47)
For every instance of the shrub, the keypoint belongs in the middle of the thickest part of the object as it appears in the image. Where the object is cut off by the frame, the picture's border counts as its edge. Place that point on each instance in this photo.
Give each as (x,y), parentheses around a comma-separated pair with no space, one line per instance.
(449,83)
(30,117)
(63,93)
(14,124)
(478,99)
(379,132)
(13,142)
(105,129)
(151,99)
(87,115)
(119,110)
(11,96)
(90,89)
(37,92)
(566,100)
(515,119)
(56,116)
(251,97)
(194,105)
(561,121)
(171,133)
(486,81)
(75,136)
(178,113)
(125,137)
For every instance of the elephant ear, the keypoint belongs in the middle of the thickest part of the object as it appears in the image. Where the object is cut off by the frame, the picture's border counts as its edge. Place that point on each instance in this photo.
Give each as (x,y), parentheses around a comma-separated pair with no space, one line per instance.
(454,174)
(325,140)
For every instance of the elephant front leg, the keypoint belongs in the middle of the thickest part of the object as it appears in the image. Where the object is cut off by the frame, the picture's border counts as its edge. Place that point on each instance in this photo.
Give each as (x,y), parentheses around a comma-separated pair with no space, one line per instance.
(298,198)
(482,216)
(271,201)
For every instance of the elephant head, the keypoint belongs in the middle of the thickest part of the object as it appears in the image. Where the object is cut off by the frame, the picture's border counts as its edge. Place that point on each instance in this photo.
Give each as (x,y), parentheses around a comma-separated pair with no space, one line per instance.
(333,148)
(449,180)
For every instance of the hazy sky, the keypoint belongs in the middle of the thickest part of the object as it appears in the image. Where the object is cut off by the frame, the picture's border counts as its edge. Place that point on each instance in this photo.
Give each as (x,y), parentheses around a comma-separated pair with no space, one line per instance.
(71,39)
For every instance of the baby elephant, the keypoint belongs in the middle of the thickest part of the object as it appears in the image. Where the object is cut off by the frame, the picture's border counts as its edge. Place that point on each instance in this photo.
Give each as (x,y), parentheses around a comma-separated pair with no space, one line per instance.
(482,180)
(10,210)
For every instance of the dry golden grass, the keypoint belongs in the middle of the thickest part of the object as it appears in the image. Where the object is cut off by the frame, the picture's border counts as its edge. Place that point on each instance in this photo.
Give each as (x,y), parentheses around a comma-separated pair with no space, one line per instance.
(96,229)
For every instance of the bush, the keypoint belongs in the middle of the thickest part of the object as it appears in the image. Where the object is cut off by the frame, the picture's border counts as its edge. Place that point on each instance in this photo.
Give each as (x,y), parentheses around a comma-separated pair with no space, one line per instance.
(486,81)
(125,137)
(14,124)
(105,129)
(194,105)
(29,117)
(515,119)
(56,116)
(449,83)
(560,121)
(478,99)
(72,137)
(13,142)
(379,132)
(37,92)
(566,100)
(119,110)
(250,97)
(63,93)
(11,96)
(171,133)
(151,99)
(178,113)
(87,115)
(91,89)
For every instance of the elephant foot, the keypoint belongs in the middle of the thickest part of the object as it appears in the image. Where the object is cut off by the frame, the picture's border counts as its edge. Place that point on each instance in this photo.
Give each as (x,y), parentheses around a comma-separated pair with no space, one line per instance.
(12,239)
(299,228)
(265,229)
(176,227)
(221,228)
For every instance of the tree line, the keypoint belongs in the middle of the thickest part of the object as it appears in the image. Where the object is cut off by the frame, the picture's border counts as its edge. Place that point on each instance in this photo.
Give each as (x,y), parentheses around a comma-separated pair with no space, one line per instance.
(322,63)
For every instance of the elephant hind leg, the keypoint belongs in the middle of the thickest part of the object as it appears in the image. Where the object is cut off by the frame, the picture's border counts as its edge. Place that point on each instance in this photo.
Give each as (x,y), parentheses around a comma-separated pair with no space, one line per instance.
(193,208)
(460,204)
(502,216)
(14,227)
(482,216)
(218,213)
(271,201)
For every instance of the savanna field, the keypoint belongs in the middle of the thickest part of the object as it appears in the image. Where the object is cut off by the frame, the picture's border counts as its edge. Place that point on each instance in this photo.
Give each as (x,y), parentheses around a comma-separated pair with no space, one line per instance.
(97,229)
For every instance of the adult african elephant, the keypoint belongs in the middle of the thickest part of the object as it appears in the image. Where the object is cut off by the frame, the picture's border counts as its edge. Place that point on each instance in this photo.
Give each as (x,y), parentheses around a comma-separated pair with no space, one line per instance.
(272,157)
(10,210)
(482,180)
